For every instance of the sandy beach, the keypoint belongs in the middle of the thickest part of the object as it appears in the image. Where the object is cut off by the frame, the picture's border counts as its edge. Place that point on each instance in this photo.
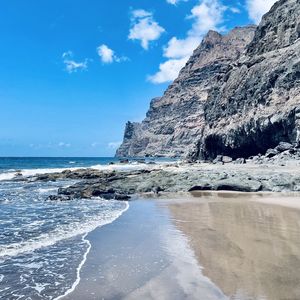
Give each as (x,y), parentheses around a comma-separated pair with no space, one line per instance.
(206,246)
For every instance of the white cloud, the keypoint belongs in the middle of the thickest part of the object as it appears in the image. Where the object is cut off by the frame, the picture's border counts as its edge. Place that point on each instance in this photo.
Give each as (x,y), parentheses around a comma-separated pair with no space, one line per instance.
(71,65)
(208,14)
(65,145)
(257,8)
(177,48)
(108,55)
(140,13)
(235,10)
(168,70)
(114,145)
(144,28)
(175,2)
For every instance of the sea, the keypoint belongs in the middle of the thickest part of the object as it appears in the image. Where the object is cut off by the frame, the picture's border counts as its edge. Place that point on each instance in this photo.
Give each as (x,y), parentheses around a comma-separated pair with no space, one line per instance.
(44,244)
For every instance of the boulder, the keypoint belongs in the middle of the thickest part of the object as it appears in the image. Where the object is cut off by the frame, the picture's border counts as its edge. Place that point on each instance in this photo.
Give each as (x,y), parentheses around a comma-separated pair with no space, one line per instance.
(227,159)
(283,146)
(239,185)
(240,161)
(218,159)
(271,153)
(229,184)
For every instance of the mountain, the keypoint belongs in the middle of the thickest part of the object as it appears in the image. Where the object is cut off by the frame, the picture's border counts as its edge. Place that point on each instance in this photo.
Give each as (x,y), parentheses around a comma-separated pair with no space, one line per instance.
(238,95)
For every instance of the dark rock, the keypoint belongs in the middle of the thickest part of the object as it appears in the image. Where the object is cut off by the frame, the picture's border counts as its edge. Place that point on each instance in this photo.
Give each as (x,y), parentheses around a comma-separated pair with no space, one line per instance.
(59,198)
(157,189)
(205,187)
(123,161)
(238,185)
(230,184)
(271,153)
(140,160)
(283,146)
(122,197)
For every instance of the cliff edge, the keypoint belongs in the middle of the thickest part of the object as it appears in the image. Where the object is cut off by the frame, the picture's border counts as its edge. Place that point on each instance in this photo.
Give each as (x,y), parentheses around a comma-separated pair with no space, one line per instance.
(238,95)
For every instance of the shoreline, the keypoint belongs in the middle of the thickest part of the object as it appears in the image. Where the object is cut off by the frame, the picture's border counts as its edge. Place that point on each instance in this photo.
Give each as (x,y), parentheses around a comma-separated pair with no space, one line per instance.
(78,270)
(122,264)
(144,262)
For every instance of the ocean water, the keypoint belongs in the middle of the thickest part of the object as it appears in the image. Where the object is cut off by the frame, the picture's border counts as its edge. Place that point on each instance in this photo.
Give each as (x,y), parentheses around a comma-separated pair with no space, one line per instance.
(43,243)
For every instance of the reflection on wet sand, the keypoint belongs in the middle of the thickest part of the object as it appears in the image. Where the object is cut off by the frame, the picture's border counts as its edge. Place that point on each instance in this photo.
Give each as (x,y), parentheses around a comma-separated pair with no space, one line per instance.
(250,250)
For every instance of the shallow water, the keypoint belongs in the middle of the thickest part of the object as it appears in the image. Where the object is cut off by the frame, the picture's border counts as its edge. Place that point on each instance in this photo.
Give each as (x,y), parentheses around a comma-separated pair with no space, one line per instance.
(42,243)
(250,250)
(218,246)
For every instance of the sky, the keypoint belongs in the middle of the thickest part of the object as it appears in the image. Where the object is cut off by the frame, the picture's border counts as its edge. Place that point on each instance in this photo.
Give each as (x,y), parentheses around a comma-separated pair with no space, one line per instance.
(74,72)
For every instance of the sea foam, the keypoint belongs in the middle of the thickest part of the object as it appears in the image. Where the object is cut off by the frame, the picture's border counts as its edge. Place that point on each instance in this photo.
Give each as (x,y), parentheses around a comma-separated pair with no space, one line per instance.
(60,233)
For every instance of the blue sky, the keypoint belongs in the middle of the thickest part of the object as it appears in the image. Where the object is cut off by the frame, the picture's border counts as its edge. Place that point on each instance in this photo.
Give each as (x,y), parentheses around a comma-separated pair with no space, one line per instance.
(73,72)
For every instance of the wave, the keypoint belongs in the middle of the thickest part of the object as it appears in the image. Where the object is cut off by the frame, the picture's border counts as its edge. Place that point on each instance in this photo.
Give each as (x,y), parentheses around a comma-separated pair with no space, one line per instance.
(32,172)
(59,234)
(46,190)
(118,167)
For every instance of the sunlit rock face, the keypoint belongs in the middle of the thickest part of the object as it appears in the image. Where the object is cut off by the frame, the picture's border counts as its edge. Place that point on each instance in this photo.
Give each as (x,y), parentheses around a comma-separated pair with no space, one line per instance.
(176,120)
(238,95)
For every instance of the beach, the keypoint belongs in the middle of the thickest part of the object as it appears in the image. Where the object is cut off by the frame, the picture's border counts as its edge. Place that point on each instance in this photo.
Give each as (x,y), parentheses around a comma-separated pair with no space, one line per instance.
(206,246)
(149,231)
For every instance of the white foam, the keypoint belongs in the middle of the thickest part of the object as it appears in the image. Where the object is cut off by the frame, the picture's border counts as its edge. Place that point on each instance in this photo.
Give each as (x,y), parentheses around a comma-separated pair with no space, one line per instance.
(120,167)
(78,270)
(76,282)
(117,167)
(59,234)
(33,172)
(7,176)
(46,190)
(39,287)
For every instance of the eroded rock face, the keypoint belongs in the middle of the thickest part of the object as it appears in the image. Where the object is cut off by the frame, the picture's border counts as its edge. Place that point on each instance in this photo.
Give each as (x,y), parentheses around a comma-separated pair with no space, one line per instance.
(238,95)
(258,105)
(176,120)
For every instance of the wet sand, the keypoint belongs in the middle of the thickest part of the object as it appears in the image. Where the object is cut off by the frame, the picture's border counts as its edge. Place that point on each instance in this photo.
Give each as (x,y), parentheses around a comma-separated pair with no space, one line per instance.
(211,246)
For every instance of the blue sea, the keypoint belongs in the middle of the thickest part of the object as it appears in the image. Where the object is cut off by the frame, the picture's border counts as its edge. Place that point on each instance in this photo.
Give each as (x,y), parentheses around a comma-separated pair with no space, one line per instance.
(43,244)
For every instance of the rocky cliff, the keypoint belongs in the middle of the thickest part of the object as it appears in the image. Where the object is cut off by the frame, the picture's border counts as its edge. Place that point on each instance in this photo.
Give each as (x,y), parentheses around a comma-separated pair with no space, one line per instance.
(238,95)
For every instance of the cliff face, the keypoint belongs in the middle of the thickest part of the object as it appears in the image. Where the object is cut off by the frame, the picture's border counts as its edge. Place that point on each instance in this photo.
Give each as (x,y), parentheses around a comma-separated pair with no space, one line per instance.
(237,95)
(258,104)
(176,120)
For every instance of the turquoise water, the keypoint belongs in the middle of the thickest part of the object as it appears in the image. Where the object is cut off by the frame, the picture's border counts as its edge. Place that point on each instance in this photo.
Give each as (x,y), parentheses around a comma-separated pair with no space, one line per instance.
(16,163)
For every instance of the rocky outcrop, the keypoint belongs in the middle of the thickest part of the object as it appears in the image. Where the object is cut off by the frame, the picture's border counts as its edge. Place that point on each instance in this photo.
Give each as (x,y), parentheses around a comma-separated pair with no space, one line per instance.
(279,173)
(238,95)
